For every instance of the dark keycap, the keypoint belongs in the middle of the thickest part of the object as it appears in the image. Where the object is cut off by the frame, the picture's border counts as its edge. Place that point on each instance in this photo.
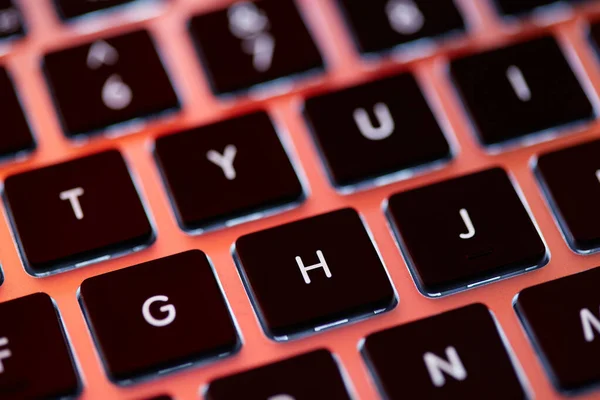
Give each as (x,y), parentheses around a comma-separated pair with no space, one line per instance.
(519,90)
(571,179)
(16,135)
(107,82)
(562,319)
(75,8)
(455,355)
(511,7)
(313,274)
(384,24)
(35,360)
(313,375)
(220,171)
(386,124)
(257,42)
(11,20)
(464,232)
(158,315)
(66,215)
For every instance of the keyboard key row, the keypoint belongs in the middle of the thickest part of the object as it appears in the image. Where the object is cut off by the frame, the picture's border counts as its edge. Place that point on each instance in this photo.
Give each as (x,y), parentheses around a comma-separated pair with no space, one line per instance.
(101,85)
(162,331)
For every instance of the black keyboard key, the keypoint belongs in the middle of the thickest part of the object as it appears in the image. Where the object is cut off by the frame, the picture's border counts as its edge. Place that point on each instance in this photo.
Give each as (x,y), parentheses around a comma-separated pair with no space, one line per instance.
(16,135)
(258,42)
(516,7)
(158,315)
(109,82)
(326,269)
(478,226)
(386,124)
(70,214)
(246,173)
(35,360)
(76,8)
(11,19)
(384,24)
(519,90)
(571,179)
(313,375)
(455,355)
(562,320)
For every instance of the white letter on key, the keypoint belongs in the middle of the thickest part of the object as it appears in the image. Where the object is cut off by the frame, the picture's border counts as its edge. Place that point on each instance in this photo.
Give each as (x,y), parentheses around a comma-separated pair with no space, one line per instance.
(73,196)
(468,223)
(384,119)
(453,367)
(225,160)
(322,264)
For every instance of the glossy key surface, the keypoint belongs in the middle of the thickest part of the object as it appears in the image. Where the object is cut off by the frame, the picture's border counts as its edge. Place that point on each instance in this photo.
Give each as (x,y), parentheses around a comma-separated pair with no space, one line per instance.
(313,274)
(455,355)
(308,376)
(227,170)
(521,89)
(35,359)
(375,129)
(571,179)
(384,24)
(515,7)
(562,319)
(76,8)
(464,232)
(158,315)
(16,134)
(258,42)
(109,81)
(66,215)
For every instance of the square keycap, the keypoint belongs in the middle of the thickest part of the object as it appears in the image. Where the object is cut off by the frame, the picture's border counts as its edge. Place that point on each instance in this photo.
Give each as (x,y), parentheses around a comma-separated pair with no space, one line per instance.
(465,232)
(35,359)
(228,170)
(103,84)
(16,136)
(376,129)
(458,354)
(158,315)
(380,25)
(313,274)
(562,319)
(70,214)
(253,42)
(571,179)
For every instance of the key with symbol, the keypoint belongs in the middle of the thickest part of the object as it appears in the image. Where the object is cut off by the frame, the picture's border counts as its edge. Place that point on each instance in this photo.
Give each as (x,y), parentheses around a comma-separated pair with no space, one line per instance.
(259,42)
(173,310)
(381,25)
(108,82)
(478,226)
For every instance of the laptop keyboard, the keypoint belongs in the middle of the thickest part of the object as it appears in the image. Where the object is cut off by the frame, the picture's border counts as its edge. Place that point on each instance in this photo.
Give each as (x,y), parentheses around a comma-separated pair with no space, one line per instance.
(299,199)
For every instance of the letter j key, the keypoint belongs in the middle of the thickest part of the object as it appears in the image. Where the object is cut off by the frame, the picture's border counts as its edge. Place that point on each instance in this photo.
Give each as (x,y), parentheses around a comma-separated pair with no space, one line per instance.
(465,232)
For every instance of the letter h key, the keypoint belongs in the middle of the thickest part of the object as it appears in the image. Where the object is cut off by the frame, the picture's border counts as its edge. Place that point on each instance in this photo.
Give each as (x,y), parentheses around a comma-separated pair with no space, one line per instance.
(322,264)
